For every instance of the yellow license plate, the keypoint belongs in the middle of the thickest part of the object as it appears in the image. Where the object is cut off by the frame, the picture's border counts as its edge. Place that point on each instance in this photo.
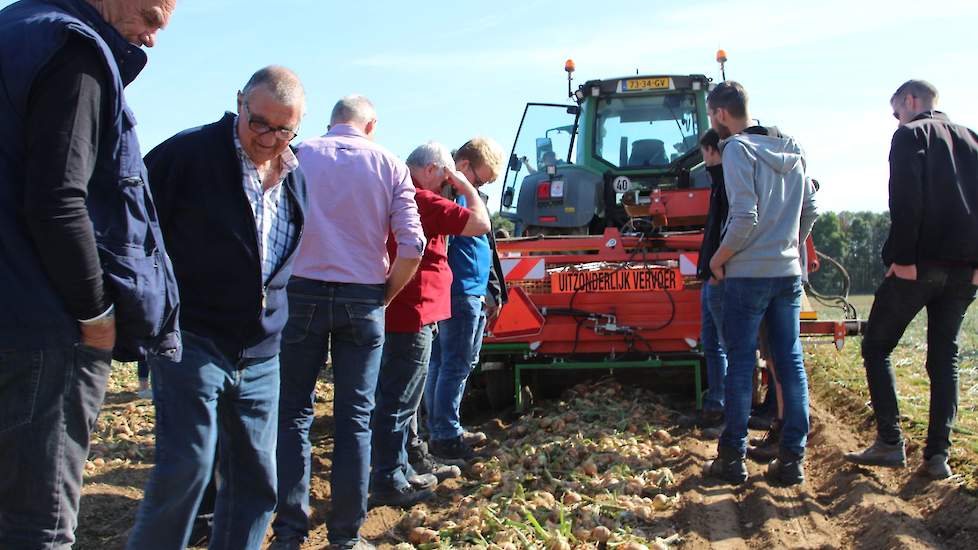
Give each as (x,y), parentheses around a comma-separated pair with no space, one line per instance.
(634,84)
(625,280)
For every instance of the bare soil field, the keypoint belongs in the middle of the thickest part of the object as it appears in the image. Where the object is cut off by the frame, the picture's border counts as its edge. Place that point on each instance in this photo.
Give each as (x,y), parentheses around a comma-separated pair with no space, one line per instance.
(607,466)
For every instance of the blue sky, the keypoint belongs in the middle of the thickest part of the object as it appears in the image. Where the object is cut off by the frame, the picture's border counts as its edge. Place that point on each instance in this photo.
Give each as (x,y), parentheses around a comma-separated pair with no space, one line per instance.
(821,71)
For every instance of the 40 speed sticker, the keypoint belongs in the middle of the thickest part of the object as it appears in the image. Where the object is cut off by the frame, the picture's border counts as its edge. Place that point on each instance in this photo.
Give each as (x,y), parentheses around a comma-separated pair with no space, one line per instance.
(625,280)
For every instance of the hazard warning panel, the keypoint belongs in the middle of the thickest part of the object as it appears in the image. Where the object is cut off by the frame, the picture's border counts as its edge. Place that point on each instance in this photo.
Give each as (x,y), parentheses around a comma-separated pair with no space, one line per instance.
(625,280)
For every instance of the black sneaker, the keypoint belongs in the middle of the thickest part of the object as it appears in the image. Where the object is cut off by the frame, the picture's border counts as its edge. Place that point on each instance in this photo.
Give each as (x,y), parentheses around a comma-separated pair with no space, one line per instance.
(452,451)
(935,467)
(474,439)
(422,463)
(399,498)
(787,469)
(881,453)
(423,481)
(765,449)
(727,466)
(359,544)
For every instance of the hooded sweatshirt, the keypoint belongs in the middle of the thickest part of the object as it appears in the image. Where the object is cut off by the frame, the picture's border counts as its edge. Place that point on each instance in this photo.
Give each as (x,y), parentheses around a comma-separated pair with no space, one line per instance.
(772,205)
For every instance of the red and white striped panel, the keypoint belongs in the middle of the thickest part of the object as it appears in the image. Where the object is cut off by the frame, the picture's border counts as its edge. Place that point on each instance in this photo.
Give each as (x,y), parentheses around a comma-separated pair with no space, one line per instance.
(687,263)
(524,269)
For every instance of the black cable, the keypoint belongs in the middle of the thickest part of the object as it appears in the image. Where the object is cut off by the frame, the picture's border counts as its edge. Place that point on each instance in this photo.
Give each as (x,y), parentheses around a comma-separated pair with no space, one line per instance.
(840,301)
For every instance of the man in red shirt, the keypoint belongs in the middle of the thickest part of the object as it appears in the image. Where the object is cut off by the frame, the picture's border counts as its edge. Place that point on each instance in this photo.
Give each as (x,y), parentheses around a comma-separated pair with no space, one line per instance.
(411,319)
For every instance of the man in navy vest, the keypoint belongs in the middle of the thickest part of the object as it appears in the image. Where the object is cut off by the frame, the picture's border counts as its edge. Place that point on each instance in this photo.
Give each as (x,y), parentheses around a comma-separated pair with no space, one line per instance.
(84,274)
(231,197)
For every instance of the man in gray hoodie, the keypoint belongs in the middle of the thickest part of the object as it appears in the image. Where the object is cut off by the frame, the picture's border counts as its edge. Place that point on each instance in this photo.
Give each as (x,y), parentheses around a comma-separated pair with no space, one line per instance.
(772,210)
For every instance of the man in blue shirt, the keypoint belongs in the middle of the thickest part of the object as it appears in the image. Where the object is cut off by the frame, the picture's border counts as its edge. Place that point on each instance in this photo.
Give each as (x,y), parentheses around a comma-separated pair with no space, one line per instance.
(456,350)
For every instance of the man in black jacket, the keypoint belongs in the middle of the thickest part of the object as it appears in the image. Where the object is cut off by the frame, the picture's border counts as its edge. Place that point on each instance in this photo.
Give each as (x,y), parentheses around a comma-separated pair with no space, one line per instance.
(711,296)
(931,256)
(230,197)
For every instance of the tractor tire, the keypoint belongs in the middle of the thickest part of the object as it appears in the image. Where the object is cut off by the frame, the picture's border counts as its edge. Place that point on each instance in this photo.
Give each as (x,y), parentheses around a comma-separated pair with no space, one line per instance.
(500,388)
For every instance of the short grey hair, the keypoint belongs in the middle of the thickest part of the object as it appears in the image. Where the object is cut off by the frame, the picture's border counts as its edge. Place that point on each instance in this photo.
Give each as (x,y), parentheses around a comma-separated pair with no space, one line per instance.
(431,153)
(282,83)
(921,89)
(355,109)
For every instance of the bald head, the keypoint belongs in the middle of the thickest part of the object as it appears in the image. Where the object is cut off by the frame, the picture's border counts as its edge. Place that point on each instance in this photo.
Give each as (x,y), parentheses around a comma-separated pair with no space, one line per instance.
(283,85)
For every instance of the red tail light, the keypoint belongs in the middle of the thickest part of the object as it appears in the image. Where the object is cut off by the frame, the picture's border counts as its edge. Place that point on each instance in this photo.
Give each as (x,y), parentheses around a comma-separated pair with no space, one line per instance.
(543,191)
(548,219)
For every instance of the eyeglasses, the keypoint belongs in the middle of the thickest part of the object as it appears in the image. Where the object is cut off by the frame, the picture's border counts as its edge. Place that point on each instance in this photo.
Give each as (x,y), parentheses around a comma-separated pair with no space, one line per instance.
(261,127)
(479,182)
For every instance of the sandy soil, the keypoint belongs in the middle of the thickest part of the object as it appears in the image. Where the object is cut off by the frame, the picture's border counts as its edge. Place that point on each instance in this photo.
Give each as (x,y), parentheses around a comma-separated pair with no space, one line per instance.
(839,506)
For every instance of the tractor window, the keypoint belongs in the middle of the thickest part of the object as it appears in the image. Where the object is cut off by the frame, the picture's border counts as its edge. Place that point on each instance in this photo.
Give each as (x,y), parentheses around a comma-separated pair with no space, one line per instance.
(645,131)
(545,138)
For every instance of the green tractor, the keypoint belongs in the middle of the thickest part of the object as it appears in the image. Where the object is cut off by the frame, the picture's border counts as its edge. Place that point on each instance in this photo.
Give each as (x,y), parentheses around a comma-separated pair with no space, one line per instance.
(574,169)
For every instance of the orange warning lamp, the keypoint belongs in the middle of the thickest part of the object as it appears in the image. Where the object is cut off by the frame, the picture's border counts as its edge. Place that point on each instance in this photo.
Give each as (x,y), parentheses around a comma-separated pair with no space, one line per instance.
(569,65)
(721,56)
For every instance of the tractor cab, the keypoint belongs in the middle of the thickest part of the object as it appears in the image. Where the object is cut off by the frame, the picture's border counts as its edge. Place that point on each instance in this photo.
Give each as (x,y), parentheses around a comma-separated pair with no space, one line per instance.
(575,169)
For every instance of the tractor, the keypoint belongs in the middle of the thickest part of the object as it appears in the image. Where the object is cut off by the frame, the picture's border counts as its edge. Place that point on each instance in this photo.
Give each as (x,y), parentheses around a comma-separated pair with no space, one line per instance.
(574,169)
(608,196)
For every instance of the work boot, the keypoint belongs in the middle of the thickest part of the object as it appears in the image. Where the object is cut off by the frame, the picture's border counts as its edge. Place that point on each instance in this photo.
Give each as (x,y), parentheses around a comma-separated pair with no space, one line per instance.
(881,453)
(935,467)
(403,497)
(727,466)
(474,439)
(423,463)
(423,481)
(452,451)
(765,449)
(787,469)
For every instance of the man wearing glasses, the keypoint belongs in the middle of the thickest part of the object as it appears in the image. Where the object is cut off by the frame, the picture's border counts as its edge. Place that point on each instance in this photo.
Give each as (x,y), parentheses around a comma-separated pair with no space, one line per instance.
(230,198)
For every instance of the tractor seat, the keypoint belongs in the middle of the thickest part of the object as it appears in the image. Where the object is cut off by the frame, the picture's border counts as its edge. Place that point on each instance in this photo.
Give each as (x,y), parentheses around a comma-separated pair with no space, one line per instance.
(648,152)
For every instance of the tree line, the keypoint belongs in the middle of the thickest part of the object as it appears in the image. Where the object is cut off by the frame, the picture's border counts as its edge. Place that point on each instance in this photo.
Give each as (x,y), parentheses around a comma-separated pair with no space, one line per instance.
(854,239)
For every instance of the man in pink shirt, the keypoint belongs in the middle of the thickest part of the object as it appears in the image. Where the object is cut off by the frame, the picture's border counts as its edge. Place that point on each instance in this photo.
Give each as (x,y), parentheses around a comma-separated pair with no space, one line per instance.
(358,192)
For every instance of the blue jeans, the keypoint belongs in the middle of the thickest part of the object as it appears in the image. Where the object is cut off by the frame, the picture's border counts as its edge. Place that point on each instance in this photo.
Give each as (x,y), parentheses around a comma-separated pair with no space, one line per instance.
(49,401)
(400,386)
(946,293)
(745,302)
(350,317)
(711,314)
(454,354)
(205,402)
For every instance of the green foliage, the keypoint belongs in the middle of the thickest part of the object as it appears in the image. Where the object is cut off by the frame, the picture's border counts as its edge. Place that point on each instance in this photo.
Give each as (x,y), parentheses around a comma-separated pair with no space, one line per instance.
(854,239)
(499,222)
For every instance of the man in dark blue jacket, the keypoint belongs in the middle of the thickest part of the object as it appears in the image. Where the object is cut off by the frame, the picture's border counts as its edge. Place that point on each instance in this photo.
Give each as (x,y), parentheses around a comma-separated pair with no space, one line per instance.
(84,273)
(231,198)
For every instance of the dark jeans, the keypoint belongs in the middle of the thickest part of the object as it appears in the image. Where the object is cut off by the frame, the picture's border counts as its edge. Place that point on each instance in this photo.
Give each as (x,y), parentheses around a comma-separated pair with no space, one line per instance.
(400,386)
(455,352)
(777,300)
(711,315)
(206,401)
(946,293)
(49,401)
(350,317)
